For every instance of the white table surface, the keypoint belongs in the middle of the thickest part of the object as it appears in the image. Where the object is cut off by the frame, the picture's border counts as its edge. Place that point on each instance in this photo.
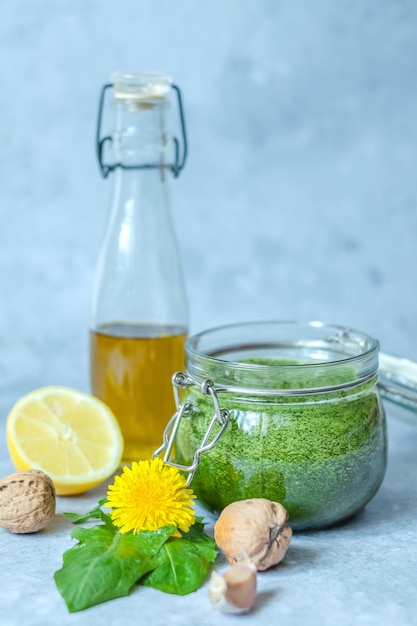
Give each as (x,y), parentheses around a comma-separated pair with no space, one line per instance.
(363,572)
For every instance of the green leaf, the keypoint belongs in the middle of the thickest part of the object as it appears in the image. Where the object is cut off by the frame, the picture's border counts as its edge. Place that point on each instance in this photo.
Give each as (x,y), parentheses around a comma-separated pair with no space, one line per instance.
(105,564)
(183,563)
(95,513)
(203,542)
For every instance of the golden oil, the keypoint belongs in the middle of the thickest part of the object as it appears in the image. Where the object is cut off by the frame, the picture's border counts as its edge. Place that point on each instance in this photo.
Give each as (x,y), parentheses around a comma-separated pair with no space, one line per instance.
(131,370)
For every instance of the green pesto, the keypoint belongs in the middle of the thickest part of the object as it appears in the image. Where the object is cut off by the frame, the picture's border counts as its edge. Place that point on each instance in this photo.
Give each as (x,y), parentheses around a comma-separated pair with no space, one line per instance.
(322,457)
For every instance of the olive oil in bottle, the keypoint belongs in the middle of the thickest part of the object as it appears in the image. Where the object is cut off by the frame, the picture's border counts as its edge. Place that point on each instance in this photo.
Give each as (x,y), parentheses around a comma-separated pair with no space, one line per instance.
(131,371)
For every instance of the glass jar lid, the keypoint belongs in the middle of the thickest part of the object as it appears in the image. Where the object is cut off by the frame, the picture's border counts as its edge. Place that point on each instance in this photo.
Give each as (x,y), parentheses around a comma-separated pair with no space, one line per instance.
(398,380)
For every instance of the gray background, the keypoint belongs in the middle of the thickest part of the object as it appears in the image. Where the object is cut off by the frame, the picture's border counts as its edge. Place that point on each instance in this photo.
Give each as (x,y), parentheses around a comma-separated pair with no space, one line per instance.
(299,196)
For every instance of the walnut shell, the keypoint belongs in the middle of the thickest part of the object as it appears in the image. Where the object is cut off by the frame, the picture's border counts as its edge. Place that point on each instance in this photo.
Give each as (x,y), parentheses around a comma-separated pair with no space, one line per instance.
(27,501)
(253,530)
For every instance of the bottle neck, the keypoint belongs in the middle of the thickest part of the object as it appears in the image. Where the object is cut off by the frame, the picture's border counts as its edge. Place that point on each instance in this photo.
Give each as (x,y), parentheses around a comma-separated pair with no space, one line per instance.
(138,192)
(139,137)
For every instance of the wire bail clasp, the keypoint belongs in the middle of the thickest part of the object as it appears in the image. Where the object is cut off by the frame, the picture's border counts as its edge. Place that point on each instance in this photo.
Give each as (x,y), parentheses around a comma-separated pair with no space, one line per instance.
(220,418)
(179,156)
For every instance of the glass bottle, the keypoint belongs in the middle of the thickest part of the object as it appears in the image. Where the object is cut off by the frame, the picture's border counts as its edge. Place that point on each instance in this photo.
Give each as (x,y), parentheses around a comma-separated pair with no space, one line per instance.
(139,309)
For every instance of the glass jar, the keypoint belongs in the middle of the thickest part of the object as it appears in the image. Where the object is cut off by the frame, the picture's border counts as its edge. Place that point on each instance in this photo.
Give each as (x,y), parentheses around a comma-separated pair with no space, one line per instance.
(288,411)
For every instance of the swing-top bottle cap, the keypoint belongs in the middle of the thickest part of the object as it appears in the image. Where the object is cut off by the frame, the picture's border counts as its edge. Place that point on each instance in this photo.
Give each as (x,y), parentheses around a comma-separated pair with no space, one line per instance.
(140,85)
(142,92)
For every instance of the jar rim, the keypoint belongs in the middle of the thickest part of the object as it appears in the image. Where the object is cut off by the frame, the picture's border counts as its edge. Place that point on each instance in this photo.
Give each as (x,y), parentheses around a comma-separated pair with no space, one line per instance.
(324,357)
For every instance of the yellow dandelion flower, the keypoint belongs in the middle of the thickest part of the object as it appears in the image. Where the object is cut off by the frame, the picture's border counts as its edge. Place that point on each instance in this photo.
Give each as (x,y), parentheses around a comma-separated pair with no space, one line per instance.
(150,495)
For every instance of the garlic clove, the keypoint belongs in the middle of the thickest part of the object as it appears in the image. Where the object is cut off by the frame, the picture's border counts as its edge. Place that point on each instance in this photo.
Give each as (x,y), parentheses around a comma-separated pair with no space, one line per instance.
(217,588)
(235,591)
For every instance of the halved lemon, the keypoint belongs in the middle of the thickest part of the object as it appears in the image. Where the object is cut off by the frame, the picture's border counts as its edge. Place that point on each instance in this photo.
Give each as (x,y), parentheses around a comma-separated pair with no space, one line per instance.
(71,436)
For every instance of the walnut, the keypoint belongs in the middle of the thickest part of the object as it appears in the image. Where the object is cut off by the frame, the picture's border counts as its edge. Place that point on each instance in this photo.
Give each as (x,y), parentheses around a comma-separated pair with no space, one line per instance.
(253,530)
(27,501)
